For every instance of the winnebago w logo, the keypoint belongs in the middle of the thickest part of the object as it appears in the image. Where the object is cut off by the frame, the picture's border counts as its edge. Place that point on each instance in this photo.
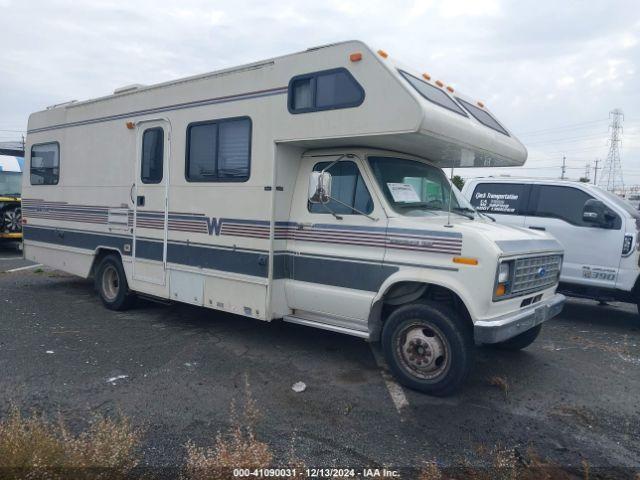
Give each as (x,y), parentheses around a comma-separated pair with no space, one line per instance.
(214,225)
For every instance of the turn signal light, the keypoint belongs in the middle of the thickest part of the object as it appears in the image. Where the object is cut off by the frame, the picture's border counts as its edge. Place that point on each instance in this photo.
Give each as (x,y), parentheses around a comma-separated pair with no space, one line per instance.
(383,54)
(355,57)
(501,289)
(465,260)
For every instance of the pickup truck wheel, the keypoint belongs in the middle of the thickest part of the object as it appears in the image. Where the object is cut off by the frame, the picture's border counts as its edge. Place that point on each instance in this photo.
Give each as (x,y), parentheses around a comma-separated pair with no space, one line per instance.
(520,341)
(428,348)
(111,284)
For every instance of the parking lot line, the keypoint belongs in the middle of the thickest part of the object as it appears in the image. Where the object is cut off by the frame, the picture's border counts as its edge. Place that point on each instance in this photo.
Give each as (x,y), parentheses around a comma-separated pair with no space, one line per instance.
(24,268)
(395,390)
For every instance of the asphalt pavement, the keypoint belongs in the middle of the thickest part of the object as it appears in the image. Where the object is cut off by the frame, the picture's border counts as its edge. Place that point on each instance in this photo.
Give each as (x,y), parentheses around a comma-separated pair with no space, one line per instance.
(573,396)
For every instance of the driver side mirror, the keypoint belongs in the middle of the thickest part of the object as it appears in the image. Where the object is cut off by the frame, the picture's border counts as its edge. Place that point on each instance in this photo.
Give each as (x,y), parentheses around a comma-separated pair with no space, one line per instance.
(597,213)
(319,187)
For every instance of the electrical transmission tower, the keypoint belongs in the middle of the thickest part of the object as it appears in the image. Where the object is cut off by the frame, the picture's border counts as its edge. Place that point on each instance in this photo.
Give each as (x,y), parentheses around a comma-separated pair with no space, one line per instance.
(611,177)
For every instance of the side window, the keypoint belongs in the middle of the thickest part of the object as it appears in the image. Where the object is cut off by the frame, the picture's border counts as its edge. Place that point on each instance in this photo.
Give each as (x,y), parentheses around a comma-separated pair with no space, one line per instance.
(152,155)
(45,164)
(564,203)
(219,151)
(500,198)
(348,187)
(433,94)
(324,90)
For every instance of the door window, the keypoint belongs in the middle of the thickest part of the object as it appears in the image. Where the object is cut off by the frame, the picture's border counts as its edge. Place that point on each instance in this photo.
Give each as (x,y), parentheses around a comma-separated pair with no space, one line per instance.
(564,203)
(152,155)
(347,186)
(500,198)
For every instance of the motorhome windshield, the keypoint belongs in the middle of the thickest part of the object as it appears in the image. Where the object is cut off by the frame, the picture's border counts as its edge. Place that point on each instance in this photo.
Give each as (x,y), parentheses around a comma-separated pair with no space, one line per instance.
(417,189)
(10,183)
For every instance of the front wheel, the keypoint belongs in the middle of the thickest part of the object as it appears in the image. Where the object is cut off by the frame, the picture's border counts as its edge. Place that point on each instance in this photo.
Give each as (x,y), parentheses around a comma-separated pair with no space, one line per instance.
(428,348)
(111,284)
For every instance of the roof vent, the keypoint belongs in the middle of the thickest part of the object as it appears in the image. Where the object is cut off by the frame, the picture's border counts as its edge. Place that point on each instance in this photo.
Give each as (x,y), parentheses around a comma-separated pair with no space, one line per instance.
(128,88)
(63,104)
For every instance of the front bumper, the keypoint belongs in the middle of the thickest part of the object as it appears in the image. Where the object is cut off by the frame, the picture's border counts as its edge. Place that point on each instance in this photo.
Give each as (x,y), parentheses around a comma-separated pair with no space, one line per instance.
(508,326)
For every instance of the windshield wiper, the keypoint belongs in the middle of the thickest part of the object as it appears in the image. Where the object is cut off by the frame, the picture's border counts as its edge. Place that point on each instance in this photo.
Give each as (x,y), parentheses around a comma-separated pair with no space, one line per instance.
(465,212)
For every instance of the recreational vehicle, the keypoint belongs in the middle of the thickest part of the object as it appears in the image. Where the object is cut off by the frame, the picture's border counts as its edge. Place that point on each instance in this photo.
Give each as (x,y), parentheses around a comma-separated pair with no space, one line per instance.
(307,188)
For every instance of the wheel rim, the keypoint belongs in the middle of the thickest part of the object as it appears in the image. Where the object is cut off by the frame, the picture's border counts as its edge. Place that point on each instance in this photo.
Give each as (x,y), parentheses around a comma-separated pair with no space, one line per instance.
(12,220)
(110,283)
(423,350)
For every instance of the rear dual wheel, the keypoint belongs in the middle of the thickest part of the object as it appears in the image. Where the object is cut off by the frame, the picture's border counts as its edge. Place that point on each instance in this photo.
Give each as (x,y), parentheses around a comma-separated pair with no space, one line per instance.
(111,284)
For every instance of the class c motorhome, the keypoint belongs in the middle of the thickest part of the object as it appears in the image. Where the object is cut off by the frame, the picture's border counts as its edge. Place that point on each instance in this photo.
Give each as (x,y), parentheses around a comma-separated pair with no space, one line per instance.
(307,188)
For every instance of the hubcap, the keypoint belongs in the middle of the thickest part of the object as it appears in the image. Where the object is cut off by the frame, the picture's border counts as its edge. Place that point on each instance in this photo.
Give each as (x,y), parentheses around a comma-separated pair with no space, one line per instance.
(12,220)
(110,283)
(423,350)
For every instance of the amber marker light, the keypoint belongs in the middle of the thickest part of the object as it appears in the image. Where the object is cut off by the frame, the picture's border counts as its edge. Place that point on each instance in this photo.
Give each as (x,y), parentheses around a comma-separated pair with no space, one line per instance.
(501,290)
(480,104)
(439,83)
(450,88)
(465,260)
(426,76)
(355,57)
(131,125)
(383,54)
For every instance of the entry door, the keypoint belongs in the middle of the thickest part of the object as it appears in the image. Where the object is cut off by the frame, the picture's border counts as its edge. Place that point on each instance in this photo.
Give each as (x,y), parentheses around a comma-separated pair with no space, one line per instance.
(337,262)
(150,202)
(591,255)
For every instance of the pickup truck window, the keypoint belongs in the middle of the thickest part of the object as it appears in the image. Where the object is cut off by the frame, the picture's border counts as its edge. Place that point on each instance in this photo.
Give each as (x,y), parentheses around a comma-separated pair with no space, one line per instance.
(347,186)
(564,203)
(417,189)
(500,198)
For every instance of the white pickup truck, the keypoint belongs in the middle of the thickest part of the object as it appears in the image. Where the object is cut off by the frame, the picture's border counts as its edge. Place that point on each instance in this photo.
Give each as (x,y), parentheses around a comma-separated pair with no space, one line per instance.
(598,230)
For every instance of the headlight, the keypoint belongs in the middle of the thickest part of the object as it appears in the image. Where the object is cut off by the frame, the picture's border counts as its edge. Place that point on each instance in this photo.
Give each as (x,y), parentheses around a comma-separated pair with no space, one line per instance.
(503,286)
(503,273)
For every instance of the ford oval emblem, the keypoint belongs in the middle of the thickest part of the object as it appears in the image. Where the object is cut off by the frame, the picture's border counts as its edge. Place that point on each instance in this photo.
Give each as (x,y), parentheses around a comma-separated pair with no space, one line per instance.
(541,272)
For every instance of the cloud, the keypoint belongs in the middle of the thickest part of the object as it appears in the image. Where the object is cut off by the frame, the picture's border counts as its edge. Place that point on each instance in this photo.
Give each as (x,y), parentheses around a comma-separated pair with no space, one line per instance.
(536,64)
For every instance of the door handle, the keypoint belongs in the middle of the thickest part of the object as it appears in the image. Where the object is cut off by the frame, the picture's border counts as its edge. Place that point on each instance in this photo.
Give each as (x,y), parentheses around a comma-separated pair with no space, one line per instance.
(131,192)
(140,200)
(542,229)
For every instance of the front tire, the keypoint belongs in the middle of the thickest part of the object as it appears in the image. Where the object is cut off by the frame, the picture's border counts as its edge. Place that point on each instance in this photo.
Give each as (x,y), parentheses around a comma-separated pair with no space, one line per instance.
(111,284)
(428,348)
(520,341)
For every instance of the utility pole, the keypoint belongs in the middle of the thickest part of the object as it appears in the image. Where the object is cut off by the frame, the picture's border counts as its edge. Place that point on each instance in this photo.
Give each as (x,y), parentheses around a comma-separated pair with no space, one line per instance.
(595,172)
(611,178)
(564,167)
(587,171)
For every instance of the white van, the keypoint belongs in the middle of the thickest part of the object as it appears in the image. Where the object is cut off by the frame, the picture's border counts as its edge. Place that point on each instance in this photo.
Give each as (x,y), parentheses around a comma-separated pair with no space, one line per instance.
(307,188)
(598,230)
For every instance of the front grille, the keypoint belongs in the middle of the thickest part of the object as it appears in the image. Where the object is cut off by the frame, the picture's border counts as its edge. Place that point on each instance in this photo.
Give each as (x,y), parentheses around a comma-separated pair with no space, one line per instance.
(535,273)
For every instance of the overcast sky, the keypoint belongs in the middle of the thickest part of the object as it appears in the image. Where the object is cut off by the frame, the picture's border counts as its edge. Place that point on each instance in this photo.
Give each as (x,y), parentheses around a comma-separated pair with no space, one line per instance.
(550,70)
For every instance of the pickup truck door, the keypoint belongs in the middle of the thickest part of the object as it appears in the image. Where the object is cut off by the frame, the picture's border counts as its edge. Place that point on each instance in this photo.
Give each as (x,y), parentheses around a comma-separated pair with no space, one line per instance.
(592,255)
(336,261)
